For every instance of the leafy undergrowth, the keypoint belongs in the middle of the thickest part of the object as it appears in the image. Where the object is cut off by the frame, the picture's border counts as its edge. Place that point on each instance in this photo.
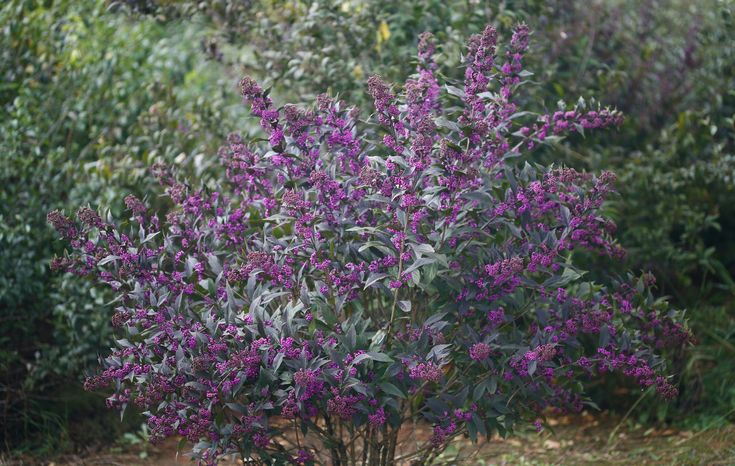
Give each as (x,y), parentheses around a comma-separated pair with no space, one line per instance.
(598,439)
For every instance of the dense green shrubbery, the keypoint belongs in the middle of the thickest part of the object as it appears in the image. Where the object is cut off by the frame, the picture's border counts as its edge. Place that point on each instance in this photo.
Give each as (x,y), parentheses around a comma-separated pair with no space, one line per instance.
(672,73)
(89,100)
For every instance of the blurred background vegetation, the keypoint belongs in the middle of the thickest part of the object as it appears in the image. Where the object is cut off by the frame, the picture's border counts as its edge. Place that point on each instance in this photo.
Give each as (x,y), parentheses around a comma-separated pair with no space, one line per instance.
(95,91)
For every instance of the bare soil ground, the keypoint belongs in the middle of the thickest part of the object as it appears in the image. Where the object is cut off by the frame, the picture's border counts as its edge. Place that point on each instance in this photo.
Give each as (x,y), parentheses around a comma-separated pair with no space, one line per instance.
(579,440)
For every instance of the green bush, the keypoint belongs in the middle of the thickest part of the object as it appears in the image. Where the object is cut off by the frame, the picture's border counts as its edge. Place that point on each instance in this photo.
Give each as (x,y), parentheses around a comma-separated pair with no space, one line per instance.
(90,99)
(670,66)
(672,72)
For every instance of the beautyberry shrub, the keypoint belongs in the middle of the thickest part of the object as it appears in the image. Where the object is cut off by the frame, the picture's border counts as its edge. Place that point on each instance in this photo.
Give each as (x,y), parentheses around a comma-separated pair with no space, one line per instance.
(350,277)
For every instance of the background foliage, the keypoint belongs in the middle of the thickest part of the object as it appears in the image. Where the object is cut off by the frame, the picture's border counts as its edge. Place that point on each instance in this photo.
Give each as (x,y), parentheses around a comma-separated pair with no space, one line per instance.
(93,92)
(89,100)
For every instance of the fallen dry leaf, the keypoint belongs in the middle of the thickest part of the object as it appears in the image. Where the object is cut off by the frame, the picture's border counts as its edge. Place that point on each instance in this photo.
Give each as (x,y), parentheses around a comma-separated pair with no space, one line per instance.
(552,444)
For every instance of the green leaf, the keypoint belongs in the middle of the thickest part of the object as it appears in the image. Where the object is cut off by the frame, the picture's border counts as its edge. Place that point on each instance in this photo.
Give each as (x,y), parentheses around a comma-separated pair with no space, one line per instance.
(420,249)
(419,263)
(391,389)
(381,357)
(405,306)
(478,391)
(453,90)
(374,277)
(443,122)
(107,260)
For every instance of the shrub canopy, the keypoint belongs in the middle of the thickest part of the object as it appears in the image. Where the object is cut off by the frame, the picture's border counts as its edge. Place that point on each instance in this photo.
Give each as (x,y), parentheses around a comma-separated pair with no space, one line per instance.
(351,276)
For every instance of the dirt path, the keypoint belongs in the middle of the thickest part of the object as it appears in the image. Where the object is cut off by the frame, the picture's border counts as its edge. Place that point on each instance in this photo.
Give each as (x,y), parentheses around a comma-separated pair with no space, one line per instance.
(578,440)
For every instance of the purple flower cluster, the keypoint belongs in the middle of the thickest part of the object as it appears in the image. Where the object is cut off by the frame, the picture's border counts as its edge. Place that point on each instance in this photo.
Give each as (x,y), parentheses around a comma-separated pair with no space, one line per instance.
(347,276)
(480,351)
(427,372)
